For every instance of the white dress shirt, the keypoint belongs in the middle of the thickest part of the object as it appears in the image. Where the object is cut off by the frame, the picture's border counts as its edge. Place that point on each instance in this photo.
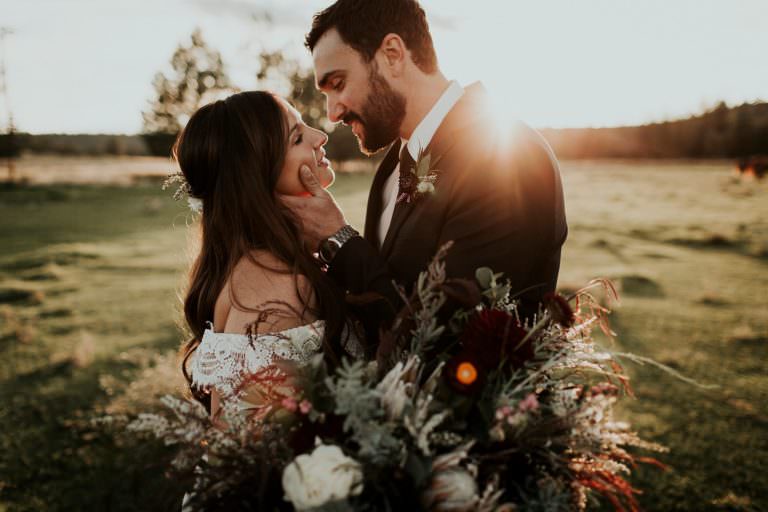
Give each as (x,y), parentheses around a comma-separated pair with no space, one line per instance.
(419,140)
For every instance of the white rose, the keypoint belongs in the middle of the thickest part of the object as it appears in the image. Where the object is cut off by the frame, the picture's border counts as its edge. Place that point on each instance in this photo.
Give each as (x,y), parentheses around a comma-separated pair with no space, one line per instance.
(451,490)
(425,187)
(324,475)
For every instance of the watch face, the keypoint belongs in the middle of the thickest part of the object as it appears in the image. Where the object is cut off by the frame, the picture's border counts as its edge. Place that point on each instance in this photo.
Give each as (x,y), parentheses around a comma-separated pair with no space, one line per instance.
(328,249)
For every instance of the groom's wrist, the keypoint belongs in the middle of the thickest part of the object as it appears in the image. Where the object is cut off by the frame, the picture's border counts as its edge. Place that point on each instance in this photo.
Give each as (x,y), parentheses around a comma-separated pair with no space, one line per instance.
(330,246)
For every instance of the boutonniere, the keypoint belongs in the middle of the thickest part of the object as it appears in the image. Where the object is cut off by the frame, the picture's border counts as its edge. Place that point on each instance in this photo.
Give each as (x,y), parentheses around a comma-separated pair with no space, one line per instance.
(419,180)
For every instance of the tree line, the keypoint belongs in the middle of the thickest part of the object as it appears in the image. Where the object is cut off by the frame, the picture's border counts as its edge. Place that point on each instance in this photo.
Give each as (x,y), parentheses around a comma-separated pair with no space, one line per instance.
(738,132)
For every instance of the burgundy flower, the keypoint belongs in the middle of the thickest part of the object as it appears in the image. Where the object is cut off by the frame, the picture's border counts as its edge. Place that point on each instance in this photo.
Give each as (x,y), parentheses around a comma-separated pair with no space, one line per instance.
(407,184)
(492,335)
(464,292)
(559,309)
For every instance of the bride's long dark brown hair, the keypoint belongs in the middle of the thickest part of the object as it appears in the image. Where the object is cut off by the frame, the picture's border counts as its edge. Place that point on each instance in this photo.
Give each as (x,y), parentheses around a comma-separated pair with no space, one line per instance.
(231,153)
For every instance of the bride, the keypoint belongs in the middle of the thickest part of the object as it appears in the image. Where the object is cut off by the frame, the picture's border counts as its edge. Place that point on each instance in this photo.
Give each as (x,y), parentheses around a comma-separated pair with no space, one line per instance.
(256,294)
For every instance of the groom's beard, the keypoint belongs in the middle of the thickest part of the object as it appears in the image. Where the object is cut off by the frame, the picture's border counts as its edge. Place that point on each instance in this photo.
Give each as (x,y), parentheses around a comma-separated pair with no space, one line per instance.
(381,117)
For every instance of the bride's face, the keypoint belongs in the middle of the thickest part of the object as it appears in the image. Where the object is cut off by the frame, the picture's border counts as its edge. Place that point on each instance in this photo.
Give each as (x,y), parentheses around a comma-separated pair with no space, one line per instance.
(305,147)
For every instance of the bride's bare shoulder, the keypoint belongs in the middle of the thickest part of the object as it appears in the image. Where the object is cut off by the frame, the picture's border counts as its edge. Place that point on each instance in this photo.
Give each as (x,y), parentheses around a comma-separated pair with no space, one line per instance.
(262,282)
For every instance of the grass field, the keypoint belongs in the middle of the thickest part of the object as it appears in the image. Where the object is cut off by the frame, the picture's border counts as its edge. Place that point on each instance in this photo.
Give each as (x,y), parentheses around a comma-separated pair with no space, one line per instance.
(88,282)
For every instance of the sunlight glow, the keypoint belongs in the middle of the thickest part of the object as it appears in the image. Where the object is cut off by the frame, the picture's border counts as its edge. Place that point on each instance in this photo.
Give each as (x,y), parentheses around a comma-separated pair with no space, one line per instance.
(82,66)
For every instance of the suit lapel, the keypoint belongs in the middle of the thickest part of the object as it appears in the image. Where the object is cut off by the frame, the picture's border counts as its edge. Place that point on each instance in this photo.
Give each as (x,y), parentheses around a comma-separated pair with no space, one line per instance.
(401,212)
(459,117)
(373,210)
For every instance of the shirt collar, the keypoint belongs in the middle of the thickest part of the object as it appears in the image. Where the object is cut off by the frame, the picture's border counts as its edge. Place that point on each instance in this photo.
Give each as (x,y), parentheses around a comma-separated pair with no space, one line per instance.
(422,135)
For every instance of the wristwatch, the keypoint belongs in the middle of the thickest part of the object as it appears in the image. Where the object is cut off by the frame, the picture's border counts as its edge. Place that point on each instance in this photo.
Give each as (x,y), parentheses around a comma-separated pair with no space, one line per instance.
(331,245)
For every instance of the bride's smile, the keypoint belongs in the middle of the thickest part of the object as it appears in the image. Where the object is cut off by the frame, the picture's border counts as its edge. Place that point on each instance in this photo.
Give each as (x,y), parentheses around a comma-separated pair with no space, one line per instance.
(305,147)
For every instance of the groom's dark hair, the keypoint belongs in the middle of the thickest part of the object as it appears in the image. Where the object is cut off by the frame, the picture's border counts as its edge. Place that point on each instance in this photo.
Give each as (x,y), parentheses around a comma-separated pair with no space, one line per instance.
(362,24)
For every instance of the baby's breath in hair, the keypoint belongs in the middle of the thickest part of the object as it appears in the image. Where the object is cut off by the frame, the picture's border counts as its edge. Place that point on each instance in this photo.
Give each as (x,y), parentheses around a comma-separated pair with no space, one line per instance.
(183,190)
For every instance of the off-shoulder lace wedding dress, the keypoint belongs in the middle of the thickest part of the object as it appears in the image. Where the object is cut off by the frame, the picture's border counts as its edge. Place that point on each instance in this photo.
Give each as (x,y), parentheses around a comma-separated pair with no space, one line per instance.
(224,361)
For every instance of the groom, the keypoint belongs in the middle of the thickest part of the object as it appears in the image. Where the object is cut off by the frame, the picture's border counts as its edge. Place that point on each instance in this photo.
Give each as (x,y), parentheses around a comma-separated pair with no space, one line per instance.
(496,193)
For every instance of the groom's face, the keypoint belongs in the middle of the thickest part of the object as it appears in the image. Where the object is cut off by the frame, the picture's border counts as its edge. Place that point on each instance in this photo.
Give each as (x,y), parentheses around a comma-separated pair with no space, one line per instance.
(357,94)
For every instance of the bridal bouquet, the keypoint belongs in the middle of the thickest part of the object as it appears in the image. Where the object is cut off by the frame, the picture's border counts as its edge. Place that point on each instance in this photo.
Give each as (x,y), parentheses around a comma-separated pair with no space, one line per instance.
(476,412)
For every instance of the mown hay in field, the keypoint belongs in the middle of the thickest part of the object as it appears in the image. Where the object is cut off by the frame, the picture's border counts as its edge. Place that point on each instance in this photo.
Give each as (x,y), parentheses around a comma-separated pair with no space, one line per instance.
(712,299)
(639,286)
(608,246)
(55,313)
(7,314)
(746,335)
(24,333)
(712,240)
(657,256)
(49,272)
(13,295)
(41,260)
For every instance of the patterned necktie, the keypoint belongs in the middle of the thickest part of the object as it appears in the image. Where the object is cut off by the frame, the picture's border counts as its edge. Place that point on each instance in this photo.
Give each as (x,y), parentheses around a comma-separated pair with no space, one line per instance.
(407,179)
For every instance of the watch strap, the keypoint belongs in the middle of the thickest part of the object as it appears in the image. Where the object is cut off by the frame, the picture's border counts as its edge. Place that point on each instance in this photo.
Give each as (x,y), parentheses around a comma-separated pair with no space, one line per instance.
(335,242)
(344,234)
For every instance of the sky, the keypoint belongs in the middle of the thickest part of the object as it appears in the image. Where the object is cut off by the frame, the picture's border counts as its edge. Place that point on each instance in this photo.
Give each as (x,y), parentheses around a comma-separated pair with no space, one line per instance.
(86,66)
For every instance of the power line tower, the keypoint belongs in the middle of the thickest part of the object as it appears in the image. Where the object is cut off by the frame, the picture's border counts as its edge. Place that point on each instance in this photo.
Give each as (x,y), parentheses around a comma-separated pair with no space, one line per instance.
(8,144)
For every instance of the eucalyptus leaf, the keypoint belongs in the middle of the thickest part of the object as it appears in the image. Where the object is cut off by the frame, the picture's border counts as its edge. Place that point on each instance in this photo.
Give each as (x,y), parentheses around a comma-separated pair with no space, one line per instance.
(485,277)
(422,167)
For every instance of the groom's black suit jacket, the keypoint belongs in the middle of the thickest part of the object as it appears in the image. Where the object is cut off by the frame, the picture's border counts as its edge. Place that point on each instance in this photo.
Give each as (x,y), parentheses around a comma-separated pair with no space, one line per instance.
(498,197)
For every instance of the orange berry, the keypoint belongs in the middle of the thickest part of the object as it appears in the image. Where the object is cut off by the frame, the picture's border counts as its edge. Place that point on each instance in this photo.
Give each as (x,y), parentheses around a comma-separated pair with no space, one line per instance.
(466,373)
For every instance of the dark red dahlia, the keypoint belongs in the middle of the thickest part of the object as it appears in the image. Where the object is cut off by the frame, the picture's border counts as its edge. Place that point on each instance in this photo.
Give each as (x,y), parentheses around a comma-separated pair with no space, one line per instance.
(559,309)
(407,183)
(464,292)
(492,336)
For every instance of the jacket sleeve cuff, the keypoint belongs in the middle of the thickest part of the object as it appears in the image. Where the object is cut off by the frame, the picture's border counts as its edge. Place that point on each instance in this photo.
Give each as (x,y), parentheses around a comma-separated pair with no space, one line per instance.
(347,260)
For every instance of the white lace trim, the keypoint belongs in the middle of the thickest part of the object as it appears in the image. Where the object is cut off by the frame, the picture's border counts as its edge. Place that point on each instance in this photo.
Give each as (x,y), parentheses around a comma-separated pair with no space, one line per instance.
(223,360)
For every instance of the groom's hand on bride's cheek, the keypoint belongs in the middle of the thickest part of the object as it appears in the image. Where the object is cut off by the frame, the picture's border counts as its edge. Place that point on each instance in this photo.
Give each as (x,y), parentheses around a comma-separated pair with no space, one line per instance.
(318,212)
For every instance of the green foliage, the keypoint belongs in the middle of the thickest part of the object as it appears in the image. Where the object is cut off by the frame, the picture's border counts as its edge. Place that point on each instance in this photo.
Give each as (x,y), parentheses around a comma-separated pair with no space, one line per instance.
(286,76)
(10,145)
(359,404)
(423,164)
(198,77)
(493,290)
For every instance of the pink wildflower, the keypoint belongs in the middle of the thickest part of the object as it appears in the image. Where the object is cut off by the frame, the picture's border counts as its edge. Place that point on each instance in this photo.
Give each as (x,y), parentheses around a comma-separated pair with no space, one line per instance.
(305,407)
(289,403)
(529,403)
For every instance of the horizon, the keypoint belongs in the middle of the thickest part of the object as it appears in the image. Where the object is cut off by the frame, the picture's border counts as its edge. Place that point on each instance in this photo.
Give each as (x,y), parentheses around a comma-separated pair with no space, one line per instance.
(555,128)
(78,69)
